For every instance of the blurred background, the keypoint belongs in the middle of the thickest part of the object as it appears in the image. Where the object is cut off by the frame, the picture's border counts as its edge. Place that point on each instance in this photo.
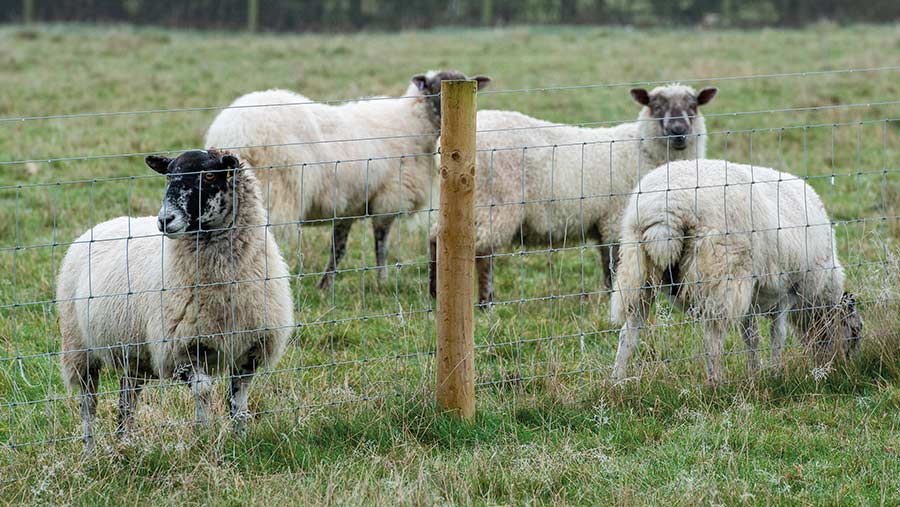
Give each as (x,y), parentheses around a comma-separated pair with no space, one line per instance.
(89,87)
(352,15)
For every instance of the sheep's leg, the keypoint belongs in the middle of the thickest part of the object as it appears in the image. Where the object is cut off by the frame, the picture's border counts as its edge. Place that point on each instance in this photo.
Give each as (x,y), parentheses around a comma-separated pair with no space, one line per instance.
(240,390)
(750,333)
(628,341)
(201,385)
(608,254)
(129,391)
(823,346)
(485,268)
(612,264)
(777,338)
(340,229)
(432,267)
(714,339)
(381,228)
(240,393)
(88,385)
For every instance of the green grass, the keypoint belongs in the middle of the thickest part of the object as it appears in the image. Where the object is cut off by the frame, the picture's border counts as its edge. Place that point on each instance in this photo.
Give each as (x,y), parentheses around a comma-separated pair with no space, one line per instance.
(563,435)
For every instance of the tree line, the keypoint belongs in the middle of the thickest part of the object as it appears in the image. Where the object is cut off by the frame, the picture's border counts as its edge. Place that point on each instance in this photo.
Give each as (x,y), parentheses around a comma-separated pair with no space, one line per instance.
(351,15)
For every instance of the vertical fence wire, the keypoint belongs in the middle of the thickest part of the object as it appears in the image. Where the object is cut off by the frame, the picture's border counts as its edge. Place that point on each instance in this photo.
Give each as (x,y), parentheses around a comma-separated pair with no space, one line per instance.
(541,322)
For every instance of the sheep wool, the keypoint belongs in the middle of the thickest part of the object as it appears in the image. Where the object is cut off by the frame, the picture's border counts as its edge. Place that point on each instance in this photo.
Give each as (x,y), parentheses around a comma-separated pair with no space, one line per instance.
(553,185)
(150,305)
(731,241)
(329,165)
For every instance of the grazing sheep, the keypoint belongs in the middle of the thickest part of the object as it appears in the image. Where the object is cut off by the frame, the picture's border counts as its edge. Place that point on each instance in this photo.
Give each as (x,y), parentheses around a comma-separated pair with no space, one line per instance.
(211,295)
(308,176)
(572,180)
(732,241)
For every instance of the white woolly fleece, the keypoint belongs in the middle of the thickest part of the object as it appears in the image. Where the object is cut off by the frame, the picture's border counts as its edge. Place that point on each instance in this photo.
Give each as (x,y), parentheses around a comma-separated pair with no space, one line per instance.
(740,236)
(552,166)
(122,282)
(308,176)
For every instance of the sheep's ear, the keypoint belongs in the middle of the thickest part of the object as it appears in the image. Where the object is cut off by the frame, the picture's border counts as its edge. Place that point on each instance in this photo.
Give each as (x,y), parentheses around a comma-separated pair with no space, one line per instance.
(158,163)
(641,96)
(482,81)
(420,81)
(706,95)
(230,162)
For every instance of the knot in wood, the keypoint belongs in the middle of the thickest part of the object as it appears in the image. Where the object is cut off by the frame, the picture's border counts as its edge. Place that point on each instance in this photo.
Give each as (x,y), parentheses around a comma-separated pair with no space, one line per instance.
(466,182)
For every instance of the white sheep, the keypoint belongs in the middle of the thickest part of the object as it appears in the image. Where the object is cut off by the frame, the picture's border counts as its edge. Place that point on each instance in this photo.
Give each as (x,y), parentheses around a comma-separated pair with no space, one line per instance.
(210,295)
(381,167)
(574,181)
(732,241)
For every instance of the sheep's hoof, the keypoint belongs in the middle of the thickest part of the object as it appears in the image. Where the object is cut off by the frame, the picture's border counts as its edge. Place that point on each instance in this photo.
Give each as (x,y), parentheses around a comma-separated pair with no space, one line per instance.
(124,439)
(382,277)
(617,378)
(239,423)
(753,368)
(88,448)
(326,281)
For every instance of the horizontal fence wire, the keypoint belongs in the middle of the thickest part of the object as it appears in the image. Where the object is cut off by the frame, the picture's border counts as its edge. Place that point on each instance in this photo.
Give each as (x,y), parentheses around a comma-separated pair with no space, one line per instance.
(803,74)
(312,163)
(363,325)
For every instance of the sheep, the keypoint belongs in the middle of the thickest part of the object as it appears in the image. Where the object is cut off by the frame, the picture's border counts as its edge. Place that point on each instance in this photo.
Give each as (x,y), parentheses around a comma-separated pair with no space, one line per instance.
(380,167)
(212,294)
(732,241)
(544,183)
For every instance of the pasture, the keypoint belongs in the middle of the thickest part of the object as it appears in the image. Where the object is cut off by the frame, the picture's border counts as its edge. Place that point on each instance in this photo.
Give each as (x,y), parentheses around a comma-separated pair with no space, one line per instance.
(348,416)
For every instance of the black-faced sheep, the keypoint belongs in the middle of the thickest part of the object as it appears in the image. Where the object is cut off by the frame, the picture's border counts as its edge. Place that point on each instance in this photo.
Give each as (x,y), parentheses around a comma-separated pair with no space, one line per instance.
(210,295)
(573,181)
(732,241)
(307,177)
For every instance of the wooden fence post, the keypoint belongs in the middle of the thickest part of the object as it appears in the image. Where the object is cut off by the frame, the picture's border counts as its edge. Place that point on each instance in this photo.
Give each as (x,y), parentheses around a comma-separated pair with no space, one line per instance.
(252,15)
(456,251)
(28,11)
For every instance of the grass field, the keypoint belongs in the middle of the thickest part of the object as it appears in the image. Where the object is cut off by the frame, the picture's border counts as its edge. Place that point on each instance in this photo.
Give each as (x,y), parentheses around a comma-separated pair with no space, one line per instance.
(549,430)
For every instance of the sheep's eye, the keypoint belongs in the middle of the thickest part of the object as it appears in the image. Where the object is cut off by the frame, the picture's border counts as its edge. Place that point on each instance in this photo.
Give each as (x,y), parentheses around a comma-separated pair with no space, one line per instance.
(210,177)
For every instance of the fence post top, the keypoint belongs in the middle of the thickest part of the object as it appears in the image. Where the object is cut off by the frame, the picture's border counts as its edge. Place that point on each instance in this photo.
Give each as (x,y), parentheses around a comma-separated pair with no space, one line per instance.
(459,82)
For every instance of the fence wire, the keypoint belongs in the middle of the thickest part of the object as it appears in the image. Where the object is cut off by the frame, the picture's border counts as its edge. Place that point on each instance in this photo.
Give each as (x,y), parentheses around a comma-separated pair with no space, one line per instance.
(363,327)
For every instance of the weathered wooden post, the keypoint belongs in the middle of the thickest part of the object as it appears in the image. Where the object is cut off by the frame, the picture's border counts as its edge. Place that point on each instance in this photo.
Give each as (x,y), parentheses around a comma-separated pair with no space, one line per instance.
(252,15)
(28,11)
(456,251)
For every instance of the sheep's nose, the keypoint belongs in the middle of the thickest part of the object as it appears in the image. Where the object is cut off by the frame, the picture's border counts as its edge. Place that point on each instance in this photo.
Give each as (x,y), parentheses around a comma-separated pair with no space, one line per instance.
(162,221)
(678,129)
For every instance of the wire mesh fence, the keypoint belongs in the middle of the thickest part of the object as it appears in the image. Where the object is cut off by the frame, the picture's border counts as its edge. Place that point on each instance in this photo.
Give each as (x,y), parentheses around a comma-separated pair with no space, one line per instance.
(363,325)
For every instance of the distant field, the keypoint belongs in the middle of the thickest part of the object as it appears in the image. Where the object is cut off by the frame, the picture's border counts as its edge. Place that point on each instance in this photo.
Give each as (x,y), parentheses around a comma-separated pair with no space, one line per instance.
(549,429)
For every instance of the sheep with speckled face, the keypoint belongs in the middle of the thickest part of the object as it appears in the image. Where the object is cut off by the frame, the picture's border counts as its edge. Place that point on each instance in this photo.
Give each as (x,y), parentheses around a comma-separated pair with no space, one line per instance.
(549,185)
(209,295)
(732,241)
(330,165)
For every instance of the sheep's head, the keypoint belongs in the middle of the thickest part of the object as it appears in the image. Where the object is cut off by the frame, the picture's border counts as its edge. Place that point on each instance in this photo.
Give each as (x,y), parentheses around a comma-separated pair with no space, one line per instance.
(429,84)
(850,323)
(199,191)
(832,330)
(675,109)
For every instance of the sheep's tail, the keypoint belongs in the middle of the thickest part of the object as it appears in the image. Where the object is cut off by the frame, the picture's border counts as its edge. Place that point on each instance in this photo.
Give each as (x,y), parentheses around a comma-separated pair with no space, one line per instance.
(663,241)
(647,250)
